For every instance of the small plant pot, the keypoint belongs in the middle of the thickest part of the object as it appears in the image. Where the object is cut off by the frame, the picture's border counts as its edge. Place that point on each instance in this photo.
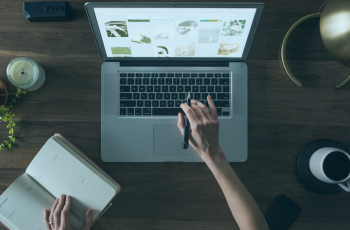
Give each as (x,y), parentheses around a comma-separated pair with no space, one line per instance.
(3,90)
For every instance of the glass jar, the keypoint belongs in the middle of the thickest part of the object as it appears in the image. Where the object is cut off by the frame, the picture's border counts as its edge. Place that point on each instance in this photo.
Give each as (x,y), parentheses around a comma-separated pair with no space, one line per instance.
(24,73)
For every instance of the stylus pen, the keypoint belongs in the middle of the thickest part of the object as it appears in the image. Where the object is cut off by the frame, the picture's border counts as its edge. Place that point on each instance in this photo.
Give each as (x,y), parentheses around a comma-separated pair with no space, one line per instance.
(185,135)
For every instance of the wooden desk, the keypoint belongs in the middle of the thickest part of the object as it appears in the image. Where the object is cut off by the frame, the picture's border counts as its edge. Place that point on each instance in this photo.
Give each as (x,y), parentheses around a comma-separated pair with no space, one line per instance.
(283,119)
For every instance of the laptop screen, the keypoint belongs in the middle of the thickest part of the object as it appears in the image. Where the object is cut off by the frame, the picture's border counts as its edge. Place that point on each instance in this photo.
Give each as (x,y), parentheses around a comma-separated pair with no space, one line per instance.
(175,32)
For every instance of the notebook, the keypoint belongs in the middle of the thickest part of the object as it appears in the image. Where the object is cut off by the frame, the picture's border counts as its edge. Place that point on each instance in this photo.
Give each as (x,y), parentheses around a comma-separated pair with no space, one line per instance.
(58,168)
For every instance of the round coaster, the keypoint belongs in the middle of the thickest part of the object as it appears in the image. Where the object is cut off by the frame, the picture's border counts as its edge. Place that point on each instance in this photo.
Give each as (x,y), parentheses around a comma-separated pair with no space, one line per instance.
(304,173)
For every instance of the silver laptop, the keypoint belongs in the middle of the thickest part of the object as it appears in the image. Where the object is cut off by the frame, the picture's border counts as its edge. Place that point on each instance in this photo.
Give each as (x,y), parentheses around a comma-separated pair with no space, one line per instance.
(154,53)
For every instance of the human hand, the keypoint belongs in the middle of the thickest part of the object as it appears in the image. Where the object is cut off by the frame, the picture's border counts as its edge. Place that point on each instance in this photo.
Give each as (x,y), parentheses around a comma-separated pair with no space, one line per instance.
(204,132)
(59,215)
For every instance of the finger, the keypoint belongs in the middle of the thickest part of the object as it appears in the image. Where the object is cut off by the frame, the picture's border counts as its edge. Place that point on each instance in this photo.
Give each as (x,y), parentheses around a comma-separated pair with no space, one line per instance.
(181,122)
(189,113)
(65,213)
(46,218)
(53,210)
(203,108)
(198,111)
(87,220)
(213,111)
(58,210)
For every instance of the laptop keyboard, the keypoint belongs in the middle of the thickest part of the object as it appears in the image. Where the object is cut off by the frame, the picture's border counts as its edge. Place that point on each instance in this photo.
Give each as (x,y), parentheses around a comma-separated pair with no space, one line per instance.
(160,94)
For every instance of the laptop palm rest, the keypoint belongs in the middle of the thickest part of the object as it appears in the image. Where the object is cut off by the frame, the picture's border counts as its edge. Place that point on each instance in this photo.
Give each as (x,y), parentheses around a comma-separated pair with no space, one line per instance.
(167,141)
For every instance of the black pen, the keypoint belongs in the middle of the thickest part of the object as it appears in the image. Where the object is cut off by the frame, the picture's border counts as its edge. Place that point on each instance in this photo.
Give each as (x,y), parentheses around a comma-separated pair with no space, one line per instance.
(185,135)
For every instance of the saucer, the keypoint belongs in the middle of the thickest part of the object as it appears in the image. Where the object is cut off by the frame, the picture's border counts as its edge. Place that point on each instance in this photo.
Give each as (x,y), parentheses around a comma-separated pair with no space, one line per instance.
(304,172)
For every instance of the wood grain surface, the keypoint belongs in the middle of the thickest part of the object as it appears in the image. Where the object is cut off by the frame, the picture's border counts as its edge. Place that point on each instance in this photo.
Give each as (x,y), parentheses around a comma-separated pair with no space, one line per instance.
(283,119)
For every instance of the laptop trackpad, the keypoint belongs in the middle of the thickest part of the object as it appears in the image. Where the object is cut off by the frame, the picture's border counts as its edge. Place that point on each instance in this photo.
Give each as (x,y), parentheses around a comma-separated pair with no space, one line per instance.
(167,141)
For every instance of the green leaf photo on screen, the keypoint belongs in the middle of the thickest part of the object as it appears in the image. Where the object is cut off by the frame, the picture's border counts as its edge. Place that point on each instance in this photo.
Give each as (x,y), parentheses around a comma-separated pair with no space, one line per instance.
(121,51)
(233,27)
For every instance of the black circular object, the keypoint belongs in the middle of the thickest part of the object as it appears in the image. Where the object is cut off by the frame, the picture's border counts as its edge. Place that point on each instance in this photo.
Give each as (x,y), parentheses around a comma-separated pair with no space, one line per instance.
(304,172)
(336,166)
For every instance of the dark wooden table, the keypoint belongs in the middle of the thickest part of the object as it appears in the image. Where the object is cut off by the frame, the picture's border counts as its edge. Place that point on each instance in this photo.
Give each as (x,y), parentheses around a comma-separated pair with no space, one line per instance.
(283,119)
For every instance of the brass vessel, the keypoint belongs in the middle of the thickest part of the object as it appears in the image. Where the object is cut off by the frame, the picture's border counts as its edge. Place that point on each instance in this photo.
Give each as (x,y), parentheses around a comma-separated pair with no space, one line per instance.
(335,34)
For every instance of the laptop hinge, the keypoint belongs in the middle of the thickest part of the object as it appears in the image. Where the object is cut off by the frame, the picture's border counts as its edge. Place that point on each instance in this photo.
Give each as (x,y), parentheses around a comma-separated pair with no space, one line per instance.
(176,63)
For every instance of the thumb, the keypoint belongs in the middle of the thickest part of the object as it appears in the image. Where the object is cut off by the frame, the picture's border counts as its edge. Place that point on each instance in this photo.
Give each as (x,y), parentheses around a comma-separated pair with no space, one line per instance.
(181,122)
(88,220)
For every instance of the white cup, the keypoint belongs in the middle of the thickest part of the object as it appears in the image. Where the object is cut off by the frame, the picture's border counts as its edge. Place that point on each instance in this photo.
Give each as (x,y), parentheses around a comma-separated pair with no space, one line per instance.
(317,167)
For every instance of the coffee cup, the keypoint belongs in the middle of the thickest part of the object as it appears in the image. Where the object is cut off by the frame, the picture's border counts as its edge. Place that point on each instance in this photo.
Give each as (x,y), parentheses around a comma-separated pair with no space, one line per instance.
(331,165)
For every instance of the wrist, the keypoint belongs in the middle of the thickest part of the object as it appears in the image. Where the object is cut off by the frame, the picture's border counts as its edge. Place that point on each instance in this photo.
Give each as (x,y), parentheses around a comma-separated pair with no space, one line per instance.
(214,156)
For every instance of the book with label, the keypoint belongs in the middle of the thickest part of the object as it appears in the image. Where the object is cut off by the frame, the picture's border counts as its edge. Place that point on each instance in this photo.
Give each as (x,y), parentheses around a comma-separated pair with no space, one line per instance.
(58,168)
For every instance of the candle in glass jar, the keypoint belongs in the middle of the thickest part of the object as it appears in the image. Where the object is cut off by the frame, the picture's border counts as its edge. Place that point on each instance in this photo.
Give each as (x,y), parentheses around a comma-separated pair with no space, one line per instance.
(21,72)
(26,74)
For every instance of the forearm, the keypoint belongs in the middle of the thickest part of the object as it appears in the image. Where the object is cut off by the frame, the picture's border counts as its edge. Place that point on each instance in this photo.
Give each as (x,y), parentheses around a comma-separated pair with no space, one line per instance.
(242,205)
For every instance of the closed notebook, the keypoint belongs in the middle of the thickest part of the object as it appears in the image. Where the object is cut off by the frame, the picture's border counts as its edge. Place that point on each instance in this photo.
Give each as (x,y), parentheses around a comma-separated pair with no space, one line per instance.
(58,168)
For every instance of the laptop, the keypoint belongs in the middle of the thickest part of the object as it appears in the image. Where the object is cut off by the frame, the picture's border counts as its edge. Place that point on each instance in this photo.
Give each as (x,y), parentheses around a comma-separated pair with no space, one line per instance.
(154,54)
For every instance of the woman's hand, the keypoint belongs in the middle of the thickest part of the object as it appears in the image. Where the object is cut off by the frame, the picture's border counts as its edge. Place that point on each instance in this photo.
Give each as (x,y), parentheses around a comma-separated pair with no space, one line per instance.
(59,215)
(204,132)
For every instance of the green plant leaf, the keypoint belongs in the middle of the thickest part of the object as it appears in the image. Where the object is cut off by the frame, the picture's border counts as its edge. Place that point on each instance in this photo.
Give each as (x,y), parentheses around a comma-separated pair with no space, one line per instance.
(3,109)
(8,117)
